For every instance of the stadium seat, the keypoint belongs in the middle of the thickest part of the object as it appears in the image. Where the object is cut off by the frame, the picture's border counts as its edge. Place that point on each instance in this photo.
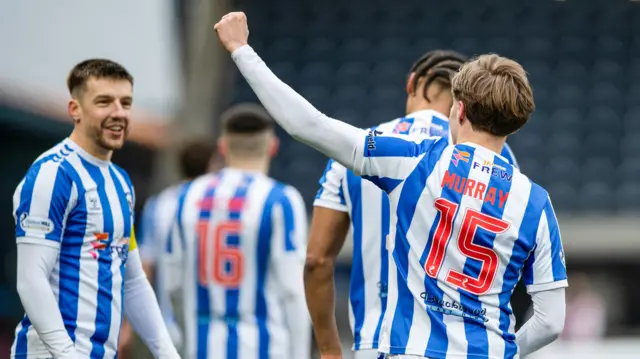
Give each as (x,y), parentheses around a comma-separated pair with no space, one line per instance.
(596,197)
(563,169)
(599,169)
(628,196)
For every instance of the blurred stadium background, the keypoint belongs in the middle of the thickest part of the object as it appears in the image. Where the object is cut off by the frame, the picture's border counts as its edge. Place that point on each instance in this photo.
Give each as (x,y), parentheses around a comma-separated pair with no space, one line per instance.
(350,59)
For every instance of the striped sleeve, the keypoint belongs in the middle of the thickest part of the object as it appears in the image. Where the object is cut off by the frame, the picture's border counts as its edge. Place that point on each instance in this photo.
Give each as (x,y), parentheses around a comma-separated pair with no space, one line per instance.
(42,203)
(387,160)
(330,195)
(545,269)
(508,154)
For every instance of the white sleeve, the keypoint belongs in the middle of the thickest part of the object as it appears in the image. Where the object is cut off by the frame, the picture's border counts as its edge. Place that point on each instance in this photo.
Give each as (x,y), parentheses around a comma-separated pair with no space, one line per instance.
(35,264)
(545,268)
(330,195)
(369,155)
(142,310)
(288,248)
(547,322)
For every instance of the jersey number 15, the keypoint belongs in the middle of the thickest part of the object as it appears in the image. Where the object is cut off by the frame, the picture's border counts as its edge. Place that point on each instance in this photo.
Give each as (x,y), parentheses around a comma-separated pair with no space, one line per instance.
(228,261)
(476,283)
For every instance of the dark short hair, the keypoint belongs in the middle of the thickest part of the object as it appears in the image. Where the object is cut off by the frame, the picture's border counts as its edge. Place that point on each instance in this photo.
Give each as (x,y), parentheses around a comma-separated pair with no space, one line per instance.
(246,118)
(436,66)
(97,68)
(195,157)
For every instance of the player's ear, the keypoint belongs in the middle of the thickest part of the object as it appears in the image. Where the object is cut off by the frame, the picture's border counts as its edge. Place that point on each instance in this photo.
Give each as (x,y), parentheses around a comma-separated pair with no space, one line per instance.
(462,115)
(274,146)
(222,146)
(410,84)
(73,108)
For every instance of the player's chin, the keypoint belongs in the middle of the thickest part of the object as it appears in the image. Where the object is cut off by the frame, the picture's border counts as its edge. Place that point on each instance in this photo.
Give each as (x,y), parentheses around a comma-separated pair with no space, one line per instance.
(113,143)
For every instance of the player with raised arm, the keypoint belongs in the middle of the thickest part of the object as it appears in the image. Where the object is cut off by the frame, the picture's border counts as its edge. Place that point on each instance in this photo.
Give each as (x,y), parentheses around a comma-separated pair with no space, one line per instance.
(244,238)
(77,256)
(196,157)
(465,224)
(347,205)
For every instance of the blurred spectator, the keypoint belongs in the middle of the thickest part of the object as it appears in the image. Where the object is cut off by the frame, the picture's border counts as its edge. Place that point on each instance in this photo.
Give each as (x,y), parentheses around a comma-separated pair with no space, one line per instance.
(586,311)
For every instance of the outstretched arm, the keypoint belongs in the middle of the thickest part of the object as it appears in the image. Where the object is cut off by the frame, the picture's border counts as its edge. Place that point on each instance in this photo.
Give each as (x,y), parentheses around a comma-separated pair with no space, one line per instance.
(298,117)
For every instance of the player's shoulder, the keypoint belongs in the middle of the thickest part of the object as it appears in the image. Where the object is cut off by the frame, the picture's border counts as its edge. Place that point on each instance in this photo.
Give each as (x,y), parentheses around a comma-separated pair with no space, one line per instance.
(285,191)
(537,195)
(52,163)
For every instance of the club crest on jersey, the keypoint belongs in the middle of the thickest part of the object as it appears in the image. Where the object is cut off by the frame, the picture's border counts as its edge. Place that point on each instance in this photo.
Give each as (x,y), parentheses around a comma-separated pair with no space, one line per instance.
(402,127)
(459,156)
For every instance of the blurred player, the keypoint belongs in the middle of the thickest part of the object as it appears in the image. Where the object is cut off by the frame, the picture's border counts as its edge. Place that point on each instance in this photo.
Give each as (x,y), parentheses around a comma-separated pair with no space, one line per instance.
(465,224)
(347,205)
(77,255)
(244,236)
(196,158)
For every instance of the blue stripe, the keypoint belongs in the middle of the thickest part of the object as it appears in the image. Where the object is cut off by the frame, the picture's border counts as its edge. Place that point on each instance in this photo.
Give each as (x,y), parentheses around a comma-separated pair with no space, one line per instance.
(233,294)
(203,303)
(323,179)
(357,284)
(508,154)
(438,341)
(477,337)
(59,201)
(182,196)
(537,197)
(70,251)
(289,224)
(387,146)
(21,339)
(557,266)
(26,194)
(384,183)
(521,249)
(413,187)
(262,256)
(104,297)
(439,127)
(384,265)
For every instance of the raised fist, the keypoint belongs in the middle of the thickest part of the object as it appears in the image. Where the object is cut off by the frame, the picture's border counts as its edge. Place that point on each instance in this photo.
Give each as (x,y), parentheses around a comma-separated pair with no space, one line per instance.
(232,30)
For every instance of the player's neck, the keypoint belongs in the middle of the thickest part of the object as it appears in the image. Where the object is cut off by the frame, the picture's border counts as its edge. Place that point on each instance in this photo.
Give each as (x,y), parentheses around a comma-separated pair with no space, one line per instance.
(260,165)
(90,146)
(483,139)
(440,107)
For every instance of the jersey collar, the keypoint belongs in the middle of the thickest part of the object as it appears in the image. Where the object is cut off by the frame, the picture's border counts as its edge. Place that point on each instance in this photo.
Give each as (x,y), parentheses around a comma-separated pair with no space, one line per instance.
(85,155)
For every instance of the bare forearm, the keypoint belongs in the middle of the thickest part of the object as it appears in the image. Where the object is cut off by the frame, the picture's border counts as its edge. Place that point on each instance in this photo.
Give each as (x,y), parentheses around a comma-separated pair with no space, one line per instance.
(320,293)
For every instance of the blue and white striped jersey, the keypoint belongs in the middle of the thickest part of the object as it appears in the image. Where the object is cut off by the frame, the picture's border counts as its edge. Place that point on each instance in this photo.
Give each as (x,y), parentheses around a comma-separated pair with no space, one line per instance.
(244,241)
(464,226)
(84,206)
(368,208)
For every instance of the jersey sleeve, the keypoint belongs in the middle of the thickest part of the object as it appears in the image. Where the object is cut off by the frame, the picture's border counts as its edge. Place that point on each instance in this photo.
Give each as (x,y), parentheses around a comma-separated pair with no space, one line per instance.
(289,240)
(545,268)
(41,204)
(388,159)
(330,195)
(508,154)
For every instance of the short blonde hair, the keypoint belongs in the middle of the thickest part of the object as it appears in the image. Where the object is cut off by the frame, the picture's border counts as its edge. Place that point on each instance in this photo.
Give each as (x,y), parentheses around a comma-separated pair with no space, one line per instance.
(496,94)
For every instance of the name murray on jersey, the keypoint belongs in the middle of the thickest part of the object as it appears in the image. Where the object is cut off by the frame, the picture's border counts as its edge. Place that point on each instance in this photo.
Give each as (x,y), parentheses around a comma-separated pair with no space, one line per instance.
(475,189)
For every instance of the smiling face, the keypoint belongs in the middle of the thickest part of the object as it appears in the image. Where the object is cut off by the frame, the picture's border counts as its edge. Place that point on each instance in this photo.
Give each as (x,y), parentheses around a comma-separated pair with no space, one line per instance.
(102,112)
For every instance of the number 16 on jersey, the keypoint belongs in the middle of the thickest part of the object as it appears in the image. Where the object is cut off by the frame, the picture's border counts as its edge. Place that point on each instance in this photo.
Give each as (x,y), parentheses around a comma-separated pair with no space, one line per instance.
(219,262)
